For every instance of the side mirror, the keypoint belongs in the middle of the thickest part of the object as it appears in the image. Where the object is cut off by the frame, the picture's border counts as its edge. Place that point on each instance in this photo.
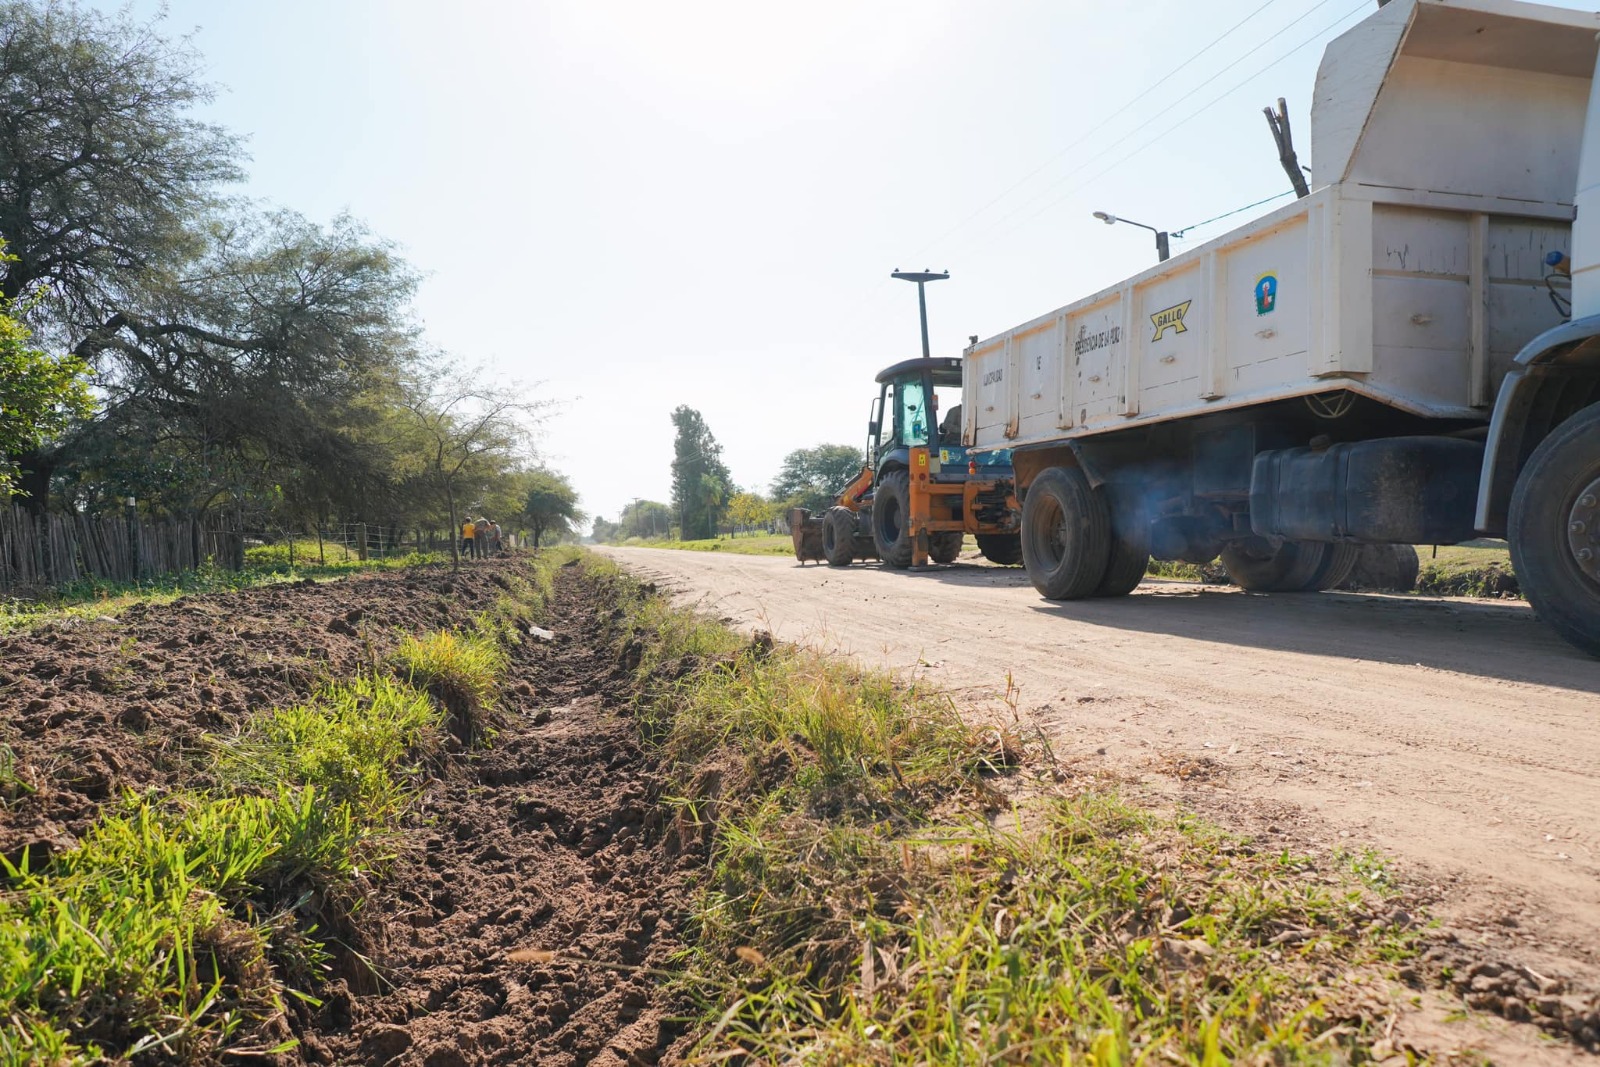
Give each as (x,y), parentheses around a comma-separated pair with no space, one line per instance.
(872,429)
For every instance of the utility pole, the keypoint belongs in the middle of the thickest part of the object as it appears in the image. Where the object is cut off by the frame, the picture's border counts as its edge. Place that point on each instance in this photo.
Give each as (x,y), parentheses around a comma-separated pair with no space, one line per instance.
(921,278)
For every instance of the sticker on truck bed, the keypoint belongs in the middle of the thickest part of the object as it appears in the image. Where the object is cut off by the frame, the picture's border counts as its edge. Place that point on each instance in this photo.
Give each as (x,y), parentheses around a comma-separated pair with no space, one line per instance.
(1266,293)
(1170,318)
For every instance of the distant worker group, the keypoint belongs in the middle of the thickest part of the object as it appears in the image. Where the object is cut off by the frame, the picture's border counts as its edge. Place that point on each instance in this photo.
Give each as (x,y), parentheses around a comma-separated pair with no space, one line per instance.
(481,539)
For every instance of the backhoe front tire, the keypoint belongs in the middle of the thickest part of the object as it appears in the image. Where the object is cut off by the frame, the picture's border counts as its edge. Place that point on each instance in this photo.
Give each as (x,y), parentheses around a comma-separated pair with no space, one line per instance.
(1004,549)
(838,537)
(1554,530)
(1066,535)
(891,519)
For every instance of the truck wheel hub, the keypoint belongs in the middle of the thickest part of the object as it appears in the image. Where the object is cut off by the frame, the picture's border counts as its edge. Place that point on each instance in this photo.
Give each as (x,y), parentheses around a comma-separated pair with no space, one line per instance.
(1583,530)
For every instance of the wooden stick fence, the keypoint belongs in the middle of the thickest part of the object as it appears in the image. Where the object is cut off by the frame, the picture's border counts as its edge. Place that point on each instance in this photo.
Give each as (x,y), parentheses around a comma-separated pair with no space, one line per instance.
(47,550)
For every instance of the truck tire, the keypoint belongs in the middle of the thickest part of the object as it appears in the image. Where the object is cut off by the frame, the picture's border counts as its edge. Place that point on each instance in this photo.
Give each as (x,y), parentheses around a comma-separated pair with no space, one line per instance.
(945,547)
(891,519)
(1554,530)
(838,537)
(1293,567)
(1004,549)
(1066,535)
(1338,560)
(1130,559)
(1384,568)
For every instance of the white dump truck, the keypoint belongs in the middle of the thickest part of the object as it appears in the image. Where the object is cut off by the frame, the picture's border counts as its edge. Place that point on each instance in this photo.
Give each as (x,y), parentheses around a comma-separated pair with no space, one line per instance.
(1389,360)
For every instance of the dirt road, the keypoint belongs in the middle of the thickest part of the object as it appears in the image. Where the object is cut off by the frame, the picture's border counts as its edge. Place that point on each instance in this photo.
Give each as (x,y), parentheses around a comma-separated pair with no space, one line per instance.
(1460,736)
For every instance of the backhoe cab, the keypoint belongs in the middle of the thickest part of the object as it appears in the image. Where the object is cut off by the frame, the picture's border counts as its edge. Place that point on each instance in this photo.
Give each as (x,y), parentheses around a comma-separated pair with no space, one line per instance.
(920,492)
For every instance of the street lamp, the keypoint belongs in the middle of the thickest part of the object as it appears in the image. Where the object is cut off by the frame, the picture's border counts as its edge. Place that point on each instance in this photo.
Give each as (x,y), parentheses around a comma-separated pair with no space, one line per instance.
(921,278)
(1161,235)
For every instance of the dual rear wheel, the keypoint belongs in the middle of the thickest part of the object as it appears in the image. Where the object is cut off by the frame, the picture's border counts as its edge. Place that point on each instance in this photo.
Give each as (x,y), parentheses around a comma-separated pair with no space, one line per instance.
(1075,544)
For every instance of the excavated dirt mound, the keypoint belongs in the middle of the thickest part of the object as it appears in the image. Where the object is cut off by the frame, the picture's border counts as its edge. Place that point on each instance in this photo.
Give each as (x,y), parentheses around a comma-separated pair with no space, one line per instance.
(93,708)
(538,896)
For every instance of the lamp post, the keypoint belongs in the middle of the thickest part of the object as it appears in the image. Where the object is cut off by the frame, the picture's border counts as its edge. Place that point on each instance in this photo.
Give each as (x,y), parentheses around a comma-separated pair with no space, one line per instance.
(1162,250)
(921,278)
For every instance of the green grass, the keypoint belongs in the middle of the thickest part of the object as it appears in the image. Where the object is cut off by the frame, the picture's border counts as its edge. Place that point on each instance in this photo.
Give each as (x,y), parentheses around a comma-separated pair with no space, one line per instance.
(175,929)
(872,898)
(358,742)
(460,671)
(180,922)
(1478,569)
(741,545)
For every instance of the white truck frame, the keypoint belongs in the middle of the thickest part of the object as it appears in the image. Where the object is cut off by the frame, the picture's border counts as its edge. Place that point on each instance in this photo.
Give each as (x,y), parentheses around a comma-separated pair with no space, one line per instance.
(1383,361)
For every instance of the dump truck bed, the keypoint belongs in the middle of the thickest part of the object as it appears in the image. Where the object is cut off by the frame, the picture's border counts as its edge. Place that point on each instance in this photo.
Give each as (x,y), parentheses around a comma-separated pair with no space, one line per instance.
(1446,138)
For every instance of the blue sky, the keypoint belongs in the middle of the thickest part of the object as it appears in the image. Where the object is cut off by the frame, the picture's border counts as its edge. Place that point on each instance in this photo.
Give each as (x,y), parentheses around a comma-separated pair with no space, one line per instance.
(635,205)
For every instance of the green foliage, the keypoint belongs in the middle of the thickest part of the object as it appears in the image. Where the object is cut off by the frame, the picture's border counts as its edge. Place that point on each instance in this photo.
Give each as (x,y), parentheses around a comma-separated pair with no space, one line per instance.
(700,480)
(143,937)
(305,553)
(866,906)
(462,672)
(112,167)
(812,477)
(750,509)
(551,507)
(355,743)
(39,393)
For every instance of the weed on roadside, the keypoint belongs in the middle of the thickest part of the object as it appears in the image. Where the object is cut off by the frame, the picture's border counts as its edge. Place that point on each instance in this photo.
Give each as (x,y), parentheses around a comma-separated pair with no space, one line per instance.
(462,672)
(864,905)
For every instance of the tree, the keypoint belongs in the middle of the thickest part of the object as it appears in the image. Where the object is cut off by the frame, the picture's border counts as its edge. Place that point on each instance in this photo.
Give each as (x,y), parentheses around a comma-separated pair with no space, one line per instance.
(39,393)
(101,164)
(467,432)
(551,506)
(700,479)
(749,509)
(647,519)
(812,477)
(604,532)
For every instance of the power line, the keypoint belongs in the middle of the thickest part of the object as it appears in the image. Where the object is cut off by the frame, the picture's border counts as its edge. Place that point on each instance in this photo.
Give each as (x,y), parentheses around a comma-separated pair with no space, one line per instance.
(1097,127)
(1229,214)
(1181,122)
(1147,122)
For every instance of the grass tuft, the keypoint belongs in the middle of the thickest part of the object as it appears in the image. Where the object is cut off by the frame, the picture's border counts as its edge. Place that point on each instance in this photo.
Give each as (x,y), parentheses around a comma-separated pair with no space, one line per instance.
(462,672)
(357,743)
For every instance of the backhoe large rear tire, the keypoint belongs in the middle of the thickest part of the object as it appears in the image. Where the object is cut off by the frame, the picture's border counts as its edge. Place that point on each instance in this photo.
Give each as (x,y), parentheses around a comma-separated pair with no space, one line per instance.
(1066,535)
(945,547)
(891,519)
(1004,549)
(838,537)
(1554,530)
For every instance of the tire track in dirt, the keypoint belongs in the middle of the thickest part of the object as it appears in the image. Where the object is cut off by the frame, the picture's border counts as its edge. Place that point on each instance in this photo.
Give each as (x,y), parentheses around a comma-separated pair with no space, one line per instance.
(1458,735)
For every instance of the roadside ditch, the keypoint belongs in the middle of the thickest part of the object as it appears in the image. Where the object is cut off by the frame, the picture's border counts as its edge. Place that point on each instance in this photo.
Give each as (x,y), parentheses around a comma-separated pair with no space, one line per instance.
(580,826)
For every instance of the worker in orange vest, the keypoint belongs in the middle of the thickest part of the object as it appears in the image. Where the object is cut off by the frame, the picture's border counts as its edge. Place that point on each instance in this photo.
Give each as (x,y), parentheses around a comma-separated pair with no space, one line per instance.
(467,540)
